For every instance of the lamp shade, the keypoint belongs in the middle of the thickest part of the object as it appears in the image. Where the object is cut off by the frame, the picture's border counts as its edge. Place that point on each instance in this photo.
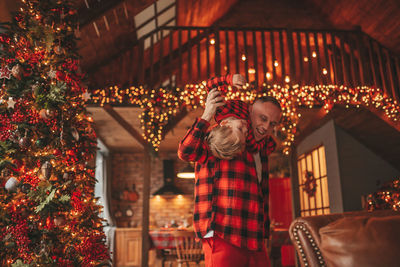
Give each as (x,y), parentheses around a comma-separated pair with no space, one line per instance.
(187,172)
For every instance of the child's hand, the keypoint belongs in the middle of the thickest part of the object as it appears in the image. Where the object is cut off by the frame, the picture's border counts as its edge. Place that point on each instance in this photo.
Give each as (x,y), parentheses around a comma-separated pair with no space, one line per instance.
(214,100)
(238,81)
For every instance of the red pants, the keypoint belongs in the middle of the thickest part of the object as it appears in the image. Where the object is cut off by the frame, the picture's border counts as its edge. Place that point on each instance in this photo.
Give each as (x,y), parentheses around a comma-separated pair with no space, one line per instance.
(219,253)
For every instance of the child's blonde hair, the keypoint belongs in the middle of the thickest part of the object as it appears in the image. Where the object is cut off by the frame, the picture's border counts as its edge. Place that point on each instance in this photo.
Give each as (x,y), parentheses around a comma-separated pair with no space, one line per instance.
(223,143)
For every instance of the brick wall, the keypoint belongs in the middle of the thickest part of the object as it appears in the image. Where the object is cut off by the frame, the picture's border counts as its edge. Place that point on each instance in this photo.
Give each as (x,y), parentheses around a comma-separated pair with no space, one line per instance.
(127,170)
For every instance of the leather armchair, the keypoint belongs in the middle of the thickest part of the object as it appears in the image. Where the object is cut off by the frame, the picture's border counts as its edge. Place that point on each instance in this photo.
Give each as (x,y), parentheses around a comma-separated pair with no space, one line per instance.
(349,239)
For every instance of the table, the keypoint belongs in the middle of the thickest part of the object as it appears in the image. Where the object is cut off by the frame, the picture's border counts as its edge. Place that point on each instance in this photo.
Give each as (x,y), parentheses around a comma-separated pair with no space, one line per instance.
(163,241)
(163,238)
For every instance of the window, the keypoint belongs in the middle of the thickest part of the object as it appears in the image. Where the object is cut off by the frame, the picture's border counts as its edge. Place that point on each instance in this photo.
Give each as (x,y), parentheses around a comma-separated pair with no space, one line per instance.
(313,183)
(161,13)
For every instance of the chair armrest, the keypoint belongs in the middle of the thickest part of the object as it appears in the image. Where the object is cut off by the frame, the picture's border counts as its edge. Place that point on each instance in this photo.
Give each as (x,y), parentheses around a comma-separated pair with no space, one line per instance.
(304,233)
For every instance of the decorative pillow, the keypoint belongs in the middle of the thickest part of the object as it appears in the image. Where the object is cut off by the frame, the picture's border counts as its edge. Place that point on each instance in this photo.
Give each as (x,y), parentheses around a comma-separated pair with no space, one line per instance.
(362,241)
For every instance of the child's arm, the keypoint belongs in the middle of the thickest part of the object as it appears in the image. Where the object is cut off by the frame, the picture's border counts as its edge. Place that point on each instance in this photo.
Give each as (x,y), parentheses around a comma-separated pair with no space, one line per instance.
(236,80)
(193,146)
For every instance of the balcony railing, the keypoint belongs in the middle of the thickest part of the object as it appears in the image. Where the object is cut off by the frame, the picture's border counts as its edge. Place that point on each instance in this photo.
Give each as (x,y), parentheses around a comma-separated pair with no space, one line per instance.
(181,55)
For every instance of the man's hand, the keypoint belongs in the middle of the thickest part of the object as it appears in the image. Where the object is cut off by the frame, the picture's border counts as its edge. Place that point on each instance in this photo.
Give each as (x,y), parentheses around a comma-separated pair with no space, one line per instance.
(214,100)
(238,81)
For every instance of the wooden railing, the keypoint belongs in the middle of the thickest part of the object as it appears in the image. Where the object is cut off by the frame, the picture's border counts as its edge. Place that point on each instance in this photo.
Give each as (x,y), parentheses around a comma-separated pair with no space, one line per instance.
(181,55)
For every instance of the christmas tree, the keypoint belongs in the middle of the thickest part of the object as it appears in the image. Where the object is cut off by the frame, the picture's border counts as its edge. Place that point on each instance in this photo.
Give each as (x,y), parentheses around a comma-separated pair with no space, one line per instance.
(48,213)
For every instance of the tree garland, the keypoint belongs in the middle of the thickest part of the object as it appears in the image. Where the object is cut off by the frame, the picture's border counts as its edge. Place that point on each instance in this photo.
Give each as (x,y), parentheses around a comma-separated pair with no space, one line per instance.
(161,105)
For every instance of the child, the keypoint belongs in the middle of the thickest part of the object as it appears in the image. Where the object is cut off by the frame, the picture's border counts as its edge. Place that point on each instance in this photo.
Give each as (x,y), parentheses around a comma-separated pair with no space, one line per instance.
(228,137)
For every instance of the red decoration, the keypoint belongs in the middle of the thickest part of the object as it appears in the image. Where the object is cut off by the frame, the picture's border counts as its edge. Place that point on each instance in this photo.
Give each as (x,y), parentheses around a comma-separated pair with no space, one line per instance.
(76,201)
(5,73)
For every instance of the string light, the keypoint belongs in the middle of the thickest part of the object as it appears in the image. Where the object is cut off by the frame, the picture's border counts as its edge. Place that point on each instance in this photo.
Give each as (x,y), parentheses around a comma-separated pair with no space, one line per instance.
(157,110)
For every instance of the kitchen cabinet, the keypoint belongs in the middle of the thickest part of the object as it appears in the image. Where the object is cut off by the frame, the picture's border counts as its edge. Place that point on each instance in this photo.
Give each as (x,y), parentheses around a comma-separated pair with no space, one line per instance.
(128,248)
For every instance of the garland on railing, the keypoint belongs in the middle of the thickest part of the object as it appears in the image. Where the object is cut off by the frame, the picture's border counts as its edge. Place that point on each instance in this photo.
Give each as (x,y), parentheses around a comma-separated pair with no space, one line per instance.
(160,105)
(387,197)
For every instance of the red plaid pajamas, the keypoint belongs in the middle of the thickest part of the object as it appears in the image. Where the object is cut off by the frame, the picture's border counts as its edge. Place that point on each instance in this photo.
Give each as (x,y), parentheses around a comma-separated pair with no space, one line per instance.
(229,199)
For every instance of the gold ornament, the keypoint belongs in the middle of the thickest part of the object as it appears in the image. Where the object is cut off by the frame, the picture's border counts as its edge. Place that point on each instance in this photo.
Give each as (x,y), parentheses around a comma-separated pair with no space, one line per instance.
(58,50)
(46,114)
(45,171)
(16,71)
(59,220)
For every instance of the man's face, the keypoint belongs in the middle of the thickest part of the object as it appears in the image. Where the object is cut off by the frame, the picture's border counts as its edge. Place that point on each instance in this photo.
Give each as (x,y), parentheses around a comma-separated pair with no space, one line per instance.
(264,117)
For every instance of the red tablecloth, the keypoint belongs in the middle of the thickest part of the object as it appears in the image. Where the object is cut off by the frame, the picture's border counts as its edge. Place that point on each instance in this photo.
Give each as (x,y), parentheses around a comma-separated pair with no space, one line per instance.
(163,238)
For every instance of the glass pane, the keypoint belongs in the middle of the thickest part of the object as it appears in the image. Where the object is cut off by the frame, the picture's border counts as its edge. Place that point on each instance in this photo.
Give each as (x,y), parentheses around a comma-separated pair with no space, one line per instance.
(301,198)
(162,4)
(300,172)
(144,16)
(315,163)
(309,163)
(312,201)
(325,193)
(306,200)
(321,153)
(318,194)
(303,168)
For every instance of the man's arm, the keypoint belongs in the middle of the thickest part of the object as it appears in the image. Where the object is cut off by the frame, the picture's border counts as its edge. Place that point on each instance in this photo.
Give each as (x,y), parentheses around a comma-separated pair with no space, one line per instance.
(193,146)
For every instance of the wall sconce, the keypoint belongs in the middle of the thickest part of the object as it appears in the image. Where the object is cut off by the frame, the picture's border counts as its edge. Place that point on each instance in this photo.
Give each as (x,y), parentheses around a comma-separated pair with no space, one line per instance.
(187,172)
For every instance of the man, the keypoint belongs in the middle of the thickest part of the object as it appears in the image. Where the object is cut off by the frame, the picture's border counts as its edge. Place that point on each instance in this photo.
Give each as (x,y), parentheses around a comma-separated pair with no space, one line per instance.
(231,196)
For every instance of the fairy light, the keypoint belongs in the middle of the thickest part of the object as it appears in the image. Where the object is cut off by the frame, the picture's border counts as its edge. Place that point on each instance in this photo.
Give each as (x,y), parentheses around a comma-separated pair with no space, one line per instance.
(158,109)
(244,57)
(212,41)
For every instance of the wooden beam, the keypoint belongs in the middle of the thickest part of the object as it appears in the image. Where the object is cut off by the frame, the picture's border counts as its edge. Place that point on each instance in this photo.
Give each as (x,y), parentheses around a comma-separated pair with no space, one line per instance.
(97,131)
(96,10)
(135,134)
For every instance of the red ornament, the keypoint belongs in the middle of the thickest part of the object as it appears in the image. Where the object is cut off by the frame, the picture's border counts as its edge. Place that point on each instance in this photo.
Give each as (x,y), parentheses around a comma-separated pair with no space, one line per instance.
(71,153)
(49,223)
(57,152)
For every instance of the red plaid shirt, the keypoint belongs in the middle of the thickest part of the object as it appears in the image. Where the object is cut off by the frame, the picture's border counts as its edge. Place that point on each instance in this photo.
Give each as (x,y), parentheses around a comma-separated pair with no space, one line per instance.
(229,199)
